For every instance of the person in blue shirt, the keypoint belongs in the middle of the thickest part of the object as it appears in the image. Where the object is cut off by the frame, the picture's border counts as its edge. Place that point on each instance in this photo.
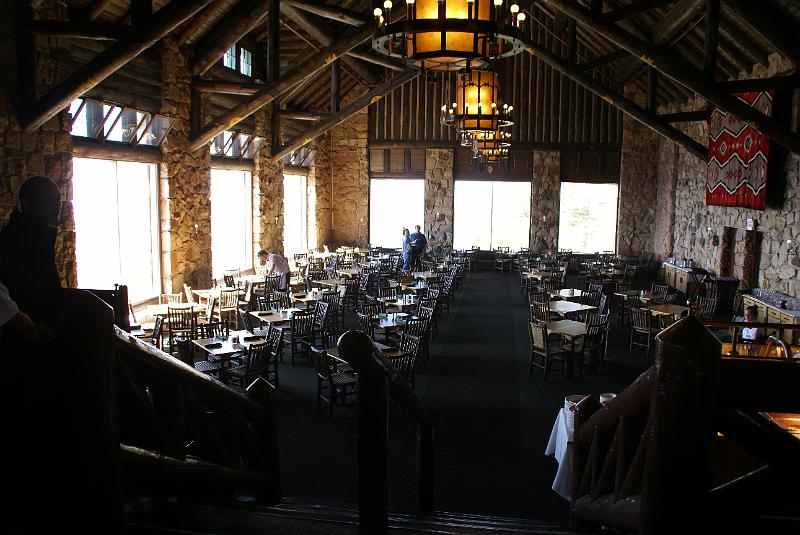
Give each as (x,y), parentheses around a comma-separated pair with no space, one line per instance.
(406,250)
(418,244)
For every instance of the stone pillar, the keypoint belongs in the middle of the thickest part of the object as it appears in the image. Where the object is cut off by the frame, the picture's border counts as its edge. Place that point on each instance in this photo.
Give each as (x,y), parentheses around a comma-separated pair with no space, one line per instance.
(48,150)
(267,191)
(545,200)
(664,224)
(185,181)
(350,177)
(638,184)
(321,170)
(438,223)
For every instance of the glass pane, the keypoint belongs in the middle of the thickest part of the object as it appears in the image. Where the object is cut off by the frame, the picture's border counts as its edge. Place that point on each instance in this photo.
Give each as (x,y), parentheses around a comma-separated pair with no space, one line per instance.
(156,131)
(246,62)
(588,217)
(231,221)
(252,148)
(78,123)
(472,214)
(125,129)
(116,226)
(511,214)
(111,118)
(295,215)
(229,59)
(394,204)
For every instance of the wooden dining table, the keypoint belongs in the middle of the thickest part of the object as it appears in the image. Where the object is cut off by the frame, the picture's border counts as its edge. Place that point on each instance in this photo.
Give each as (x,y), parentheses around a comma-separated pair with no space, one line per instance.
(347,272)
(538,275)
(309,298)
(566,308)
(424,275)
(668,310)
(222,348)
(403,303)
(273,317)
(568,294)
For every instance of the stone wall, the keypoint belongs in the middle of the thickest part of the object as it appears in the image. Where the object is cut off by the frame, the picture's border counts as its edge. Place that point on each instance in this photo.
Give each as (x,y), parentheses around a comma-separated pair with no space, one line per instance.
(545,200)
(48,150)
(267,192)
(350,177)
(664,224)
(438,221)
(185,181)
(638,184)
(776,264)
(321,173)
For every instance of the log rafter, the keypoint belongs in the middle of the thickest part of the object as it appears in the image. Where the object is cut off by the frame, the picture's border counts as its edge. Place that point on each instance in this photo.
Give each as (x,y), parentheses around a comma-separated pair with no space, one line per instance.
(274,90)
(345,113)
(681,71)
(108,62)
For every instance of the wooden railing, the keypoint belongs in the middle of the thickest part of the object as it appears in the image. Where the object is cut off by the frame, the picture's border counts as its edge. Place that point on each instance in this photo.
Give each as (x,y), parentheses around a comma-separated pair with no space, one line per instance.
(377,379)
(643,462)
(177,431)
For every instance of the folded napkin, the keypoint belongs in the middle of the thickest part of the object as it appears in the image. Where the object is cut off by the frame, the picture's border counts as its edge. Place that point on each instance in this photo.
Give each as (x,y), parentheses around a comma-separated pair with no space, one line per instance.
(265,313)
(214,345)
(251,338)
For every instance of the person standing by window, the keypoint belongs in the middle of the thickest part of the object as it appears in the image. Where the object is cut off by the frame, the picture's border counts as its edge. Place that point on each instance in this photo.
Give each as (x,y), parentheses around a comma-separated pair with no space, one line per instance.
(406,250)
(418,245)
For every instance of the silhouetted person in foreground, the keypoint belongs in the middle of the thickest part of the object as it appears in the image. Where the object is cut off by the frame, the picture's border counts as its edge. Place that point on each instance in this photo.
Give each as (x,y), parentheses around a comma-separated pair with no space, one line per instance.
(46,473)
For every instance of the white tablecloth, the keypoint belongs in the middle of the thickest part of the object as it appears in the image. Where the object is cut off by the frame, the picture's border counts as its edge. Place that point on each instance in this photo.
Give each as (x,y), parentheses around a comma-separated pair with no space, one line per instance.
(559,445)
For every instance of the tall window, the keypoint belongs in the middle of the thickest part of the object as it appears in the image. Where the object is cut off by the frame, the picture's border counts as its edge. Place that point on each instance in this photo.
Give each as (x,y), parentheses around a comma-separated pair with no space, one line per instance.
(116,225)
(231,221)
(588,217)
(246,62)
(489,215)
(295,214)
(229,59)
(394,204)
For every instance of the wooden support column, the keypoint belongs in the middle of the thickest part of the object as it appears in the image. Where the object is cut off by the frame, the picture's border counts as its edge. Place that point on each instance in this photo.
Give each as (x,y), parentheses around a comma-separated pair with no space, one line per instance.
(109,61)
(274,68)
(711,40)
(335,85)
(681,71)
(345,113)
(277,88)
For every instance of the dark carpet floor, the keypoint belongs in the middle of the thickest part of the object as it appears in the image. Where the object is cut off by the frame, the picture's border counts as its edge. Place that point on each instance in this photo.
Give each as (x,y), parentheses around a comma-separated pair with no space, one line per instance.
(494,419)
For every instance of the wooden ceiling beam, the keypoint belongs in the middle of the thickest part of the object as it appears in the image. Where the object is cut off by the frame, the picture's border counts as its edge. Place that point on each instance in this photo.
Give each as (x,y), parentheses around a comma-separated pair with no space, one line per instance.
(194,25)
(348,111)
(674,66)
(80,29)
(109,61)
(339,14)
(275,89)
(634,9)
(229,88)
(237,23)
(737,38)
(377,59)
(676,20)
(603,60)
(95,9)
(684,116)
(302,115)
(325,37)
(619,101)
(768,24)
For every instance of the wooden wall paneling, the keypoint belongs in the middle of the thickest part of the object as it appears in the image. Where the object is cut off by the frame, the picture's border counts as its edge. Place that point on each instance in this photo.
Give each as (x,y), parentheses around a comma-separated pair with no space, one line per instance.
(377,161)
(417,159)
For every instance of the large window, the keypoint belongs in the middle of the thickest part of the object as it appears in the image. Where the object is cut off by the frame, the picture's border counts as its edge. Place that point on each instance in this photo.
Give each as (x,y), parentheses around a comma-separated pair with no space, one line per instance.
(489,215)
(394,204)
(231,221)
(116,225)
(295,214)
(588,218)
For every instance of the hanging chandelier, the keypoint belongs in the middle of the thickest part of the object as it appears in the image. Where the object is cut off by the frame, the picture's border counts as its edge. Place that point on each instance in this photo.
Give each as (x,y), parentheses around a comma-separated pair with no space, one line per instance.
(449,35)
(489,145)
(476,104)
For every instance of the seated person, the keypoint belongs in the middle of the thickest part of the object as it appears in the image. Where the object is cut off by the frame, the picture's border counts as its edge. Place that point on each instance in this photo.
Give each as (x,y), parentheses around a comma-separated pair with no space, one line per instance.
(752,334)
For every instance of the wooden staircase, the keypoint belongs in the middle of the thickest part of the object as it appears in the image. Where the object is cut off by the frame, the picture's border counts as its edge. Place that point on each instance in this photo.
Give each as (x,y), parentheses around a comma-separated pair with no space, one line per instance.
(301,516)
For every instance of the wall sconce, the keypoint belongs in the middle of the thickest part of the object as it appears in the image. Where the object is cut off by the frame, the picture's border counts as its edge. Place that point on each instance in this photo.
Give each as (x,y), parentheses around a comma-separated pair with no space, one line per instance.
(195,231)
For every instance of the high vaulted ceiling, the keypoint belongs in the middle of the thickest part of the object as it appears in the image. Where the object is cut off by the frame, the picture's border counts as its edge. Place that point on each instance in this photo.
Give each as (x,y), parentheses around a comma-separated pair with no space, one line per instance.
(658,44)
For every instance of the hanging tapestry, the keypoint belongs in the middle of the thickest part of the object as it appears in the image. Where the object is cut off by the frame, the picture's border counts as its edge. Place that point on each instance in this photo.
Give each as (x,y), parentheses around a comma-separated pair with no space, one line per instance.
(737,156)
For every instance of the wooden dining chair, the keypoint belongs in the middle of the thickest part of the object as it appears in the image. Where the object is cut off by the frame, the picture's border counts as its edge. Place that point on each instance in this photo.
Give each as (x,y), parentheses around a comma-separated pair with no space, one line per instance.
(641,329)
(228,304)
(158,330)
(180,322)
(406,363)
(186,355)
(333,386)
(257,362)
(545,353)
(170,299)
(302,331)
